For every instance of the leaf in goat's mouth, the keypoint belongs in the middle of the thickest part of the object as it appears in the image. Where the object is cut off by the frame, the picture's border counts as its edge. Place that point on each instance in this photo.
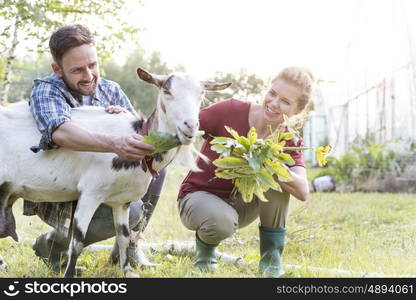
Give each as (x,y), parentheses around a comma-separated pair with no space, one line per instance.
(162,141)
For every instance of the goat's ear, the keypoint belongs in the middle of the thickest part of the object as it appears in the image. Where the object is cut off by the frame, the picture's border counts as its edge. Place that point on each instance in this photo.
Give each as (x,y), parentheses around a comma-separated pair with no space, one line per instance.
(215,86)
(157,80)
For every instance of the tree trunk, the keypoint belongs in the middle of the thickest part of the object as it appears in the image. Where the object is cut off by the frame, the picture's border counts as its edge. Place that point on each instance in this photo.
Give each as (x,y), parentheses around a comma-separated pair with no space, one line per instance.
(9,64)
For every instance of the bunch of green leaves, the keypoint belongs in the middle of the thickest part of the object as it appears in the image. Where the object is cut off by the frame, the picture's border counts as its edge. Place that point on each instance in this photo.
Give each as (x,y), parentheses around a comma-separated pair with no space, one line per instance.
(162,141)
(252,162)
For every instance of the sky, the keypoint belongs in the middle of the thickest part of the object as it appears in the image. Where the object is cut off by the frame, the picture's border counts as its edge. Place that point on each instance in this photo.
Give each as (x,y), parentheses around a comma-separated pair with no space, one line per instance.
(348,44)
(334,38)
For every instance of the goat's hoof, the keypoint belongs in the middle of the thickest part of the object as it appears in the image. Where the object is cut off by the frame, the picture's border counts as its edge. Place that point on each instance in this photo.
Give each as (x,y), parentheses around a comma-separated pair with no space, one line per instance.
(113,259)
(3,268)
(131,274)
(142,261)
(80,270)
(3,265)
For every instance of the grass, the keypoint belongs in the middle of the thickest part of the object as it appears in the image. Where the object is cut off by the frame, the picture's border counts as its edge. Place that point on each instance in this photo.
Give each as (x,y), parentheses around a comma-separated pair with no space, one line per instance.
(359,233)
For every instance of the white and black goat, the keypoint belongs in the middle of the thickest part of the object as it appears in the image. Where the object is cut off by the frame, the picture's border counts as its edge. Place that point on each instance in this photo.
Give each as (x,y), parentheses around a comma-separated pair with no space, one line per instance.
(94,178)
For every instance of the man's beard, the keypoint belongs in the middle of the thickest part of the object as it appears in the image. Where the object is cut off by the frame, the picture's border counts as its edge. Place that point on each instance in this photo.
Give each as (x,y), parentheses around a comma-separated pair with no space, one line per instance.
(76,89)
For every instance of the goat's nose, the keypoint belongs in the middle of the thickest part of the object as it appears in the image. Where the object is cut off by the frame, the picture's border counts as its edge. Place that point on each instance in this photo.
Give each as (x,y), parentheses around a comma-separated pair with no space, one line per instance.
(191,125)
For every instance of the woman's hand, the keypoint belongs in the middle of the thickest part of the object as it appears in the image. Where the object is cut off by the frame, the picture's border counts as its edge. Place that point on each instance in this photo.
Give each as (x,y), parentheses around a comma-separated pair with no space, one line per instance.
(299,187)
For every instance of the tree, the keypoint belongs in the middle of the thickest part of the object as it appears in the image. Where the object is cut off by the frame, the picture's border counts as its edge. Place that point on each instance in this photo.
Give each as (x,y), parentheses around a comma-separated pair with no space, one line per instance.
(141,94)
(22,20)
(24,72)
(245,86)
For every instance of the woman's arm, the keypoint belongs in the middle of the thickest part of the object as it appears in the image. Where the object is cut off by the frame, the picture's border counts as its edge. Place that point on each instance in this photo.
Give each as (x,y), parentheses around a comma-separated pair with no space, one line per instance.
(299,187)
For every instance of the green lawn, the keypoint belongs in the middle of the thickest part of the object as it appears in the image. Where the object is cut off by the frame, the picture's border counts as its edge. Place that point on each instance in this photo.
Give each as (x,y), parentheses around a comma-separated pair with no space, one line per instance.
(359,233)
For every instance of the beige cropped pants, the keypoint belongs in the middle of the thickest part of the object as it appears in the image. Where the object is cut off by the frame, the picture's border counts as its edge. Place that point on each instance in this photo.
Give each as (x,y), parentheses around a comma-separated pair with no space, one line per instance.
(215,219)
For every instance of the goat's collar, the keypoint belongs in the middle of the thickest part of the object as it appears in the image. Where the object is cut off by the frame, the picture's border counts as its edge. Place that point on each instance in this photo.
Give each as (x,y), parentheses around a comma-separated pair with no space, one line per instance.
(145,128)
(148,160)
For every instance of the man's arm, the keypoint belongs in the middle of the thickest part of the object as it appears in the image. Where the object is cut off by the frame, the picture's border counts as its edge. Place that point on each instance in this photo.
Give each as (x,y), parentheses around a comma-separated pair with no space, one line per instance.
(53,118)
(74,137)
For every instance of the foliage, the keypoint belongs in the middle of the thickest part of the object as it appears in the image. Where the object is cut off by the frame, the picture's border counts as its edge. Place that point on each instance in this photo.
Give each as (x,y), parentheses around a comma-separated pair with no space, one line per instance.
(28,25)
(25,71)
(372,162)
(245,86)
(320,153)
(162,141)
(252,163)
(36,19)
(141,94)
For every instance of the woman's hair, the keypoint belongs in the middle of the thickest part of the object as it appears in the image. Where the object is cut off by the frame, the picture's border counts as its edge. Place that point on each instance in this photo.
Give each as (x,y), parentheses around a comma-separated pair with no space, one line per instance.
(305,81)
(68,37)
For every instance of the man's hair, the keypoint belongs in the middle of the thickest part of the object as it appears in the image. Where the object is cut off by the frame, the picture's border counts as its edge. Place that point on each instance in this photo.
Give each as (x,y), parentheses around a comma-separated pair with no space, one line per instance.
(68,37)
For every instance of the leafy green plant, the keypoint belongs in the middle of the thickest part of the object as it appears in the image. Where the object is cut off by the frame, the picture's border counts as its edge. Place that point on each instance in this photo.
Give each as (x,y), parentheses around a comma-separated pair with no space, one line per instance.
(252,163)
(362,164)
(161,140)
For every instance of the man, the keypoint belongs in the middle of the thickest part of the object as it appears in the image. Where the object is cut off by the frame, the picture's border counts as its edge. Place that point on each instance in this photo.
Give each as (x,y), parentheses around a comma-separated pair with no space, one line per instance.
(76,81)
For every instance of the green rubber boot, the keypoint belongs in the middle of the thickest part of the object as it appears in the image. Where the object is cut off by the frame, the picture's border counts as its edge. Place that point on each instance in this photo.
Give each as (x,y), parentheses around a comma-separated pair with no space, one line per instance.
(272,242)
(205,255)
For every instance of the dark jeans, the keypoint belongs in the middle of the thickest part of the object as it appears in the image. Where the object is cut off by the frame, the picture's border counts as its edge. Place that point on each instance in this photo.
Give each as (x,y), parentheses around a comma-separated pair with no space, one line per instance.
(52,245)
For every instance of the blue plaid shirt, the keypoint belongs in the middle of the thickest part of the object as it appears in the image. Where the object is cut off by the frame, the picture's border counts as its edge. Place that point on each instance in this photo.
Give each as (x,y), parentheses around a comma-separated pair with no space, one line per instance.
(51,102)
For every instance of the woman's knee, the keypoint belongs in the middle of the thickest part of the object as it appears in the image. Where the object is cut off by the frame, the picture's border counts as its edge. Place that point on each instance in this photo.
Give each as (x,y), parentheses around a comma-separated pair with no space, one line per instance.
(217,228)
(274,213)
(209,215)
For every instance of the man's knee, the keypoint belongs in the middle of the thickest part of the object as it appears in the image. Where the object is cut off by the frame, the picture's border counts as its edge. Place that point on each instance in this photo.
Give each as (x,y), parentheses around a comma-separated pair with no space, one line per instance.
(101,226)
(135,213)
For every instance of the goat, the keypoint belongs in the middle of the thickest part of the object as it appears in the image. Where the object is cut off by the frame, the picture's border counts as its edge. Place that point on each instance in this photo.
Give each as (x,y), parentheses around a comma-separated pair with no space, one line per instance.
(94,178)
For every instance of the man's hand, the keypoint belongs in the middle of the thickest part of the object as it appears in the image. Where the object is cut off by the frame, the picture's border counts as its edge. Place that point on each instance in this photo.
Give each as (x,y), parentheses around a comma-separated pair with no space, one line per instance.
(115,109)
(132,148)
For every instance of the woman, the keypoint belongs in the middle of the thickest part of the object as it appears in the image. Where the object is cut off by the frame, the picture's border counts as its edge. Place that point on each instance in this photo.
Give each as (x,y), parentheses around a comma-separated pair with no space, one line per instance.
(205,202)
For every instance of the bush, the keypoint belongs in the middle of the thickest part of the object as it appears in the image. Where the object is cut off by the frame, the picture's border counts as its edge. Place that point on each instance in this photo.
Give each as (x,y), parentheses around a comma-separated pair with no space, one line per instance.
(372,167)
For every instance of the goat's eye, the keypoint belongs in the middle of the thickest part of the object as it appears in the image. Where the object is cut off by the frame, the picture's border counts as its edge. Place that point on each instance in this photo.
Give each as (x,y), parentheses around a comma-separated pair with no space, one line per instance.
(166,92)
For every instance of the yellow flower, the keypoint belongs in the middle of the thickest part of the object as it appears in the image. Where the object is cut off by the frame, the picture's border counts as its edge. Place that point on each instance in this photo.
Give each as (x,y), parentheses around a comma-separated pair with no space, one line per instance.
(321,152)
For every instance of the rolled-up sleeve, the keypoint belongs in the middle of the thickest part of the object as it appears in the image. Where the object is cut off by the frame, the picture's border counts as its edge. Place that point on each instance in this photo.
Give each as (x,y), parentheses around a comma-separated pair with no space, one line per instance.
(48,107)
